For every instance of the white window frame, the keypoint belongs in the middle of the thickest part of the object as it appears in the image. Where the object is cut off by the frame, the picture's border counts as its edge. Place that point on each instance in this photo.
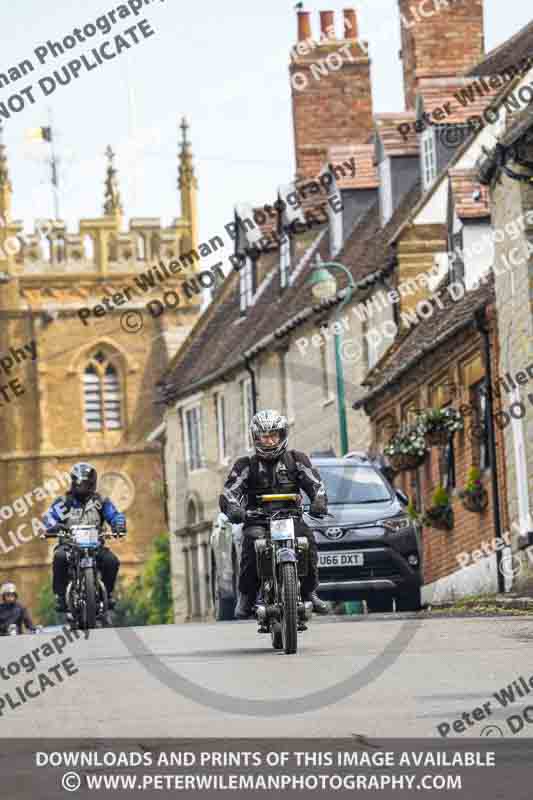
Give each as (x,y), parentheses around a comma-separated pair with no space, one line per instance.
(385,190)
(188,450)
(247,411)
(246,278)
(428,150)
(285,261)
(220,406)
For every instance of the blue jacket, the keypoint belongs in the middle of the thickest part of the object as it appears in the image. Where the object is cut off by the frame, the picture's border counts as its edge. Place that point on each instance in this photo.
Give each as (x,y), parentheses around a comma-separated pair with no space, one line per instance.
(102,506)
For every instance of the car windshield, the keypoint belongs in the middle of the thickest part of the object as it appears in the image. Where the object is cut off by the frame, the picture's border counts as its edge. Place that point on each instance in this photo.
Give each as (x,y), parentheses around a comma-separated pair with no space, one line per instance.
(354,484)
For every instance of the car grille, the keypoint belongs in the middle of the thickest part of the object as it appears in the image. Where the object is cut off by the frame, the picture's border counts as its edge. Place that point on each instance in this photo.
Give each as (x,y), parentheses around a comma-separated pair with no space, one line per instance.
(384,570)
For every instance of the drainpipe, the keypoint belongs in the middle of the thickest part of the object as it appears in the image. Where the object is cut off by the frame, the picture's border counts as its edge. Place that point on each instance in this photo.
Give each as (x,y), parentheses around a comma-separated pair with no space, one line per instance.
(481,320)
(254,385)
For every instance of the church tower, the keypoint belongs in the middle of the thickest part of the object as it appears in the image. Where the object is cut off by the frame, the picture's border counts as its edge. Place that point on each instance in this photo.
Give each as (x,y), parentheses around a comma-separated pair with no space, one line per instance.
(84,387)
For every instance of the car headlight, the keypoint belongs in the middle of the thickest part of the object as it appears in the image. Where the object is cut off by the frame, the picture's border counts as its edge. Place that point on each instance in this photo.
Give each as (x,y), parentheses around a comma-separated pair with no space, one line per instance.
(396,524)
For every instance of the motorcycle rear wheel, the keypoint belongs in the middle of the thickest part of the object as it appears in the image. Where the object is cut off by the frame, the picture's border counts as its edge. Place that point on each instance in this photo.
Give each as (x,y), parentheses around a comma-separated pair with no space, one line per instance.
(289,621)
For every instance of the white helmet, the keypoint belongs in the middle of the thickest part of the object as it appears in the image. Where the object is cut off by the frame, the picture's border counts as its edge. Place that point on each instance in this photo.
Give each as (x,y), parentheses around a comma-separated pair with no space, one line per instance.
(8,588)
(269,421)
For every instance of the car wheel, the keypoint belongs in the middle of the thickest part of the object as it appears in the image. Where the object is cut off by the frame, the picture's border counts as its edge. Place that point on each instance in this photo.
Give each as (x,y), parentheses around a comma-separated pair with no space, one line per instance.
(379,603)
(224,606)
(409,601)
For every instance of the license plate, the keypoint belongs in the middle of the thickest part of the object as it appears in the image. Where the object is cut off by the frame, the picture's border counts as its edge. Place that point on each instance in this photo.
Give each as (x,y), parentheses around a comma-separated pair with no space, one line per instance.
(341,558)
(85,535)
(86,562)
(281,529)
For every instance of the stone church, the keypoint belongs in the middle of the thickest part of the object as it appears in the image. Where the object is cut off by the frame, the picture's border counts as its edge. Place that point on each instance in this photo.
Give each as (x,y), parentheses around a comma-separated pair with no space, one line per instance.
(72,390)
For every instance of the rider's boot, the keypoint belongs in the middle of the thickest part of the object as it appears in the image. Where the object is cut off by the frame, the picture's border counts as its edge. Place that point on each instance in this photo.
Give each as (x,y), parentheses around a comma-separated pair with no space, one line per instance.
(319,606)
(244,607)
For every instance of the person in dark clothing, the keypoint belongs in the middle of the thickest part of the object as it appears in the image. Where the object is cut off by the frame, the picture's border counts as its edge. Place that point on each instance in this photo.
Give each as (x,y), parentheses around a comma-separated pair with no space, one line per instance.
(272,469)
(12,612)
(82,505)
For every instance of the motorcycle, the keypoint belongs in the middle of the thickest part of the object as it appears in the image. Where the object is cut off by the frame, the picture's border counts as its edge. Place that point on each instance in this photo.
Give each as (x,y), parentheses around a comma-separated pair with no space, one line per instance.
(86,595)
(282,559)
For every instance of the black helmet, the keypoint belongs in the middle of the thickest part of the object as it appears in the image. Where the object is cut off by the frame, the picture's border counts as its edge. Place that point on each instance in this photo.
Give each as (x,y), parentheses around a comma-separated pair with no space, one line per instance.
(265,422)
(83,480)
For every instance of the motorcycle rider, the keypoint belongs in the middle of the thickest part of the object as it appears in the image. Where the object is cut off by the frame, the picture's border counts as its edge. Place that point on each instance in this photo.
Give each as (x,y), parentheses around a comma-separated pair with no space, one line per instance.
(272,469)
(12,612)
(82,505)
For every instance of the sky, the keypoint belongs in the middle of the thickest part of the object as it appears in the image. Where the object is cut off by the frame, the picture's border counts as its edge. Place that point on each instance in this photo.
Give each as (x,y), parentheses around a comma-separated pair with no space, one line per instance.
(223,65)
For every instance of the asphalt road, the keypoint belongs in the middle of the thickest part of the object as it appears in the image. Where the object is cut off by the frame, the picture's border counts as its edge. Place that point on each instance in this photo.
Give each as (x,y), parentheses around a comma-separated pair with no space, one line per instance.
(435,669)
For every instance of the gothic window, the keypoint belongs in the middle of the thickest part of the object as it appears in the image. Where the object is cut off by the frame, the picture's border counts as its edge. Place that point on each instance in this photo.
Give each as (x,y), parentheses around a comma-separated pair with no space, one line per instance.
(192,513)
(155,245)
(60,249)
(102,394)
(112,248)
(88,247)
(141,247)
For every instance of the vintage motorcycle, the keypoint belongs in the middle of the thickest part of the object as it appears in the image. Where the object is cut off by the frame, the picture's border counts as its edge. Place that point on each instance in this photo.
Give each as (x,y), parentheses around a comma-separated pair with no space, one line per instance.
(282,558)
(86,595)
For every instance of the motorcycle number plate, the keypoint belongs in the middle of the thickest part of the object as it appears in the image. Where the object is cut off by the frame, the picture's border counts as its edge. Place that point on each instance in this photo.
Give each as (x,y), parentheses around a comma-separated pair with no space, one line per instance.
(86,562)
(281,529)
(85,535)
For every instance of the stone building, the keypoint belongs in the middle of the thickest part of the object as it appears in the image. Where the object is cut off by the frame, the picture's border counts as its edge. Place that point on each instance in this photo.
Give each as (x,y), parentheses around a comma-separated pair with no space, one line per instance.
(83,388)
(264,341)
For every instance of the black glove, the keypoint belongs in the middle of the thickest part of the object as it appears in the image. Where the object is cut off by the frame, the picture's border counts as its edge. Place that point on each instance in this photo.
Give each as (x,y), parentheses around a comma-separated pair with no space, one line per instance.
(236,514)
(318,508)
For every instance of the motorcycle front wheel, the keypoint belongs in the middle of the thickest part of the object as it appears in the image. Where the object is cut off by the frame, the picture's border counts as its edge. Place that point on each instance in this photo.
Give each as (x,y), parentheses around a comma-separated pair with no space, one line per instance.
(89,600)
(289,621)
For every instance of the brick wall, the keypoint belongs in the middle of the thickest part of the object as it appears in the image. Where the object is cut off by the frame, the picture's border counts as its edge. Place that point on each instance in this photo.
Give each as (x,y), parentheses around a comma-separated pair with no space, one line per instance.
(331,94)
(449,42)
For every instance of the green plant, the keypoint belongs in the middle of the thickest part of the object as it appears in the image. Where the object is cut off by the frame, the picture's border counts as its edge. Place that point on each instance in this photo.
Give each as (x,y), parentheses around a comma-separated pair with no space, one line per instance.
(45,612)
(473,484)
(406,442)
(412,513)
(147,600)
(440,498)
(440,419)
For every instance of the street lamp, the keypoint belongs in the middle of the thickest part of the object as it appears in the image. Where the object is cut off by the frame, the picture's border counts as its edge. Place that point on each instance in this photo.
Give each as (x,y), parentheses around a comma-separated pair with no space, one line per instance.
(324,287)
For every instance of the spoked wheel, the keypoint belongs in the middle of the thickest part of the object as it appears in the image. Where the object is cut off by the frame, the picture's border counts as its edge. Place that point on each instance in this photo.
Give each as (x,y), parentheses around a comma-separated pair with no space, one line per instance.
(88,600)
(289,620)
(277,638)
(103,608)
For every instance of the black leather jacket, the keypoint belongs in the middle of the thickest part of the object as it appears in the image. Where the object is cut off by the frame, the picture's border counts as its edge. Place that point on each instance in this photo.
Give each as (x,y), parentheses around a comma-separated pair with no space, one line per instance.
(15,614)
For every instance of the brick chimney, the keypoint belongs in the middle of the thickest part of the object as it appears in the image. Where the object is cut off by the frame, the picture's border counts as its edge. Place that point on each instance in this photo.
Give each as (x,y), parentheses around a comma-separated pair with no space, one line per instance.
(439,41)
(331,89)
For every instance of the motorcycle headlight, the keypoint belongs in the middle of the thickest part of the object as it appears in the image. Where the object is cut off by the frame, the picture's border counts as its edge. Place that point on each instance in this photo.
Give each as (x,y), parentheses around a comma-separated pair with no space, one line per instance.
(396,524)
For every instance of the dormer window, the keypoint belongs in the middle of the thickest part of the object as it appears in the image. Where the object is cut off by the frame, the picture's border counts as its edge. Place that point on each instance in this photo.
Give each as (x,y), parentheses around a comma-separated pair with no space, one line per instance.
(429,157)
(248,283)
(385,190)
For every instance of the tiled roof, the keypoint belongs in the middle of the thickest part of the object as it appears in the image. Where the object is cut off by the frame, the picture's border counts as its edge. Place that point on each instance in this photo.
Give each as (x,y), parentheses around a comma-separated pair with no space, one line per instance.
(464,184)
(366,174)
(418,341)
(221,337)
(508,54)
(394,143)
(437,92)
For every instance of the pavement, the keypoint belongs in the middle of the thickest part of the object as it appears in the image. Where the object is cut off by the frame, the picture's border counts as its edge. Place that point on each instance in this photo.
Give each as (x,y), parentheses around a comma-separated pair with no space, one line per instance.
(435,669)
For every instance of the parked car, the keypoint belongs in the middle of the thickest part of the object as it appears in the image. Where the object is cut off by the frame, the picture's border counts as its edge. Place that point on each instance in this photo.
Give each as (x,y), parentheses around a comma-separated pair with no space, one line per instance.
(369,549)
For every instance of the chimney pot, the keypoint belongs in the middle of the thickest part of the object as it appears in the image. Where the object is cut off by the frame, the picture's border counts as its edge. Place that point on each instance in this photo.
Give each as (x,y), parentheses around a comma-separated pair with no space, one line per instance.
(327,20)
(304,26)
(350,23)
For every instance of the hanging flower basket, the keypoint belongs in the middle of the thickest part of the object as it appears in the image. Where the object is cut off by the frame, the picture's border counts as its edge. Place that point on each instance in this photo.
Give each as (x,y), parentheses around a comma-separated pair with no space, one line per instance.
(474,496)
(440,517)
(439,424)
(476,503)
(401,462)
(437,437)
